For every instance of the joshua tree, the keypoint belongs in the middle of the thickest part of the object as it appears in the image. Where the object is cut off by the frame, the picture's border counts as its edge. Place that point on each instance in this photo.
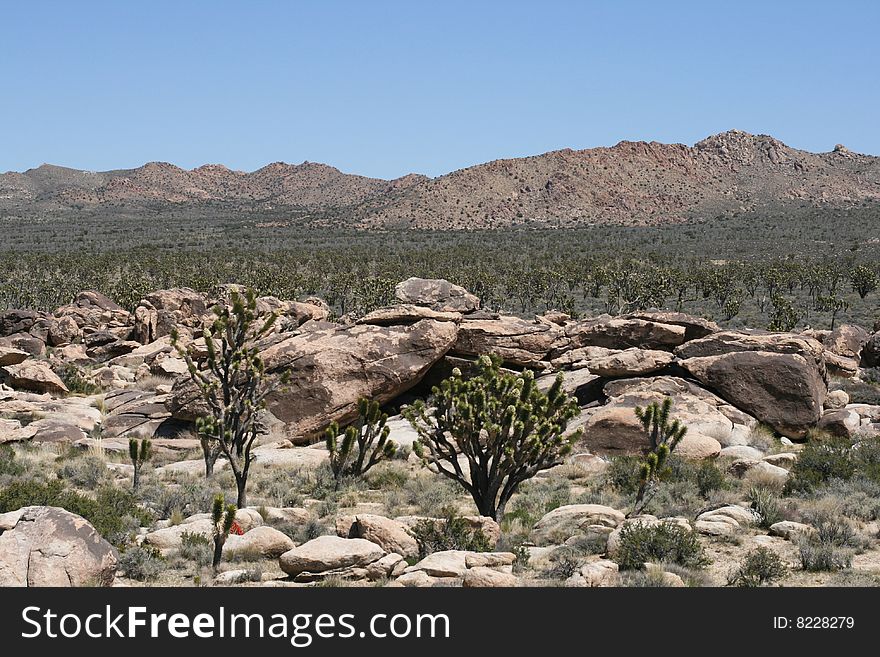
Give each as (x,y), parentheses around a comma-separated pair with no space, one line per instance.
(233,385)
(833,305)
(223,517)
(663,438)
(366,441)
(505,427)
(139,451)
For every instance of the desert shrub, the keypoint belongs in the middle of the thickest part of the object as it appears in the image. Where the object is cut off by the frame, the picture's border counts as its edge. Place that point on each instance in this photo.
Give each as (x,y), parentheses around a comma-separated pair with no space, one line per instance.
(622,474)
(113,513)
(675,498)
(188,497)
(692,577)
(857,498)
(303,532)
(564,562)
(653,577)
(8,464)
(761,566)
(658,543)
(87,472)
(866,391)
(141,562)
(710,478)
(429,494)
(765,502)
(197,548)
(387,477)
(817,556)
(853,579)
(73,378)
(449,532)
(831,527)
(537,498)
(827,458)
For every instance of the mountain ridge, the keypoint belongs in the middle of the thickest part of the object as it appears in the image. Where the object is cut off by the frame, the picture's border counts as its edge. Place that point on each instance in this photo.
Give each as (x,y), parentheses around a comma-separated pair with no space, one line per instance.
(630,183)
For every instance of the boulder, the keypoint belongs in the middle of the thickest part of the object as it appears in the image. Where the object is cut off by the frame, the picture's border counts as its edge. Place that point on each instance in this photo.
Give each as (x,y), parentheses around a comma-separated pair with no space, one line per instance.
(566,521)
(48,546)
(265,542)
(711,422)
(629,362)
(331,369)
(406,314)
(784,390)
(390,535)
(836,400)
(446,563)
(694,327)
(482,577)
(91,309)
(517,341)
(25,342)
(18,321)
(599,573)
(163,310)
(63,330)
(741,452)
(871,351)
(843,422)
(329,553)
(12,356)
(437,294)
(726,342)
(790,530)
(11,431)
(621,333)
(34,375)
(847,340)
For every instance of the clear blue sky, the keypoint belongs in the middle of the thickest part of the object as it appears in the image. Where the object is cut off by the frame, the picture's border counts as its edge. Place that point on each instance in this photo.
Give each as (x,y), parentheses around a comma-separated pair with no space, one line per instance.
(383,88)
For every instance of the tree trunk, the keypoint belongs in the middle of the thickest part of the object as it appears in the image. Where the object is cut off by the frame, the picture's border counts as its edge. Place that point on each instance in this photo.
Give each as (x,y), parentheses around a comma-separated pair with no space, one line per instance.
(218,550)
(241,485)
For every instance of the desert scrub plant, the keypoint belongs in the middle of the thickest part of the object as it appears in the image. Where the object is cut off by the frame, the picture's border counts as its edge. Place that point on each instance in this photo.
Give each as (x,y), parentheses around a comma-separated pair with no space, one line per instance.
(760,567)
(139,452)
(662,542)
(113,512)
(536,499)
(223,518)
(817,556)
(663,435)
(710,478)
(362,445)
(196,548)
(73,378)
(765,503)
(86,472)
(9,465)
(449,532)
(141,562)
(827,458)
(504,426)
(232,384)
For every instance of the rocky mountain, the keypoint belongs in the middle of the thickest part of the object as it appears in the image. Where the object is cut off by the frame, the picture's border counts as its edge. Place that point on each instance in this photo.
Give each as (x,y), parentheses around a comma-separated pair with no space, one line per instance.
(632,183)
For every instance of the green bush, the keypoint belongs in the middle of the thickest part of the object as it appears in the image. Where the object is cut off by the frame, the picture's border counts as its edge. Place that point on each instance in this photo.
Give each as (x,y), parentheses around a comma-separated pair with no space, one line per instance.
(141,563)
(73,378)
(87,472)
(197,548)
(8,463)
(817,556)
(765,503)
(828,458)
(663,542)
(710,478)
(623,475)
(113,513)
(761,566)
(449,532)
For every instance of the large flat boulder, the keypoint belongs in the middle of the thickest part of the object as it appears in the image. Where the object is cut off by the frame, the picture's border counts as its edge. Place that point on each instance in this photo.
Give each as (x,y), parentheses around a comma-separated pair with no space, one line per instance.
(694,327)
(12,356)
(783,390)
(48,546)
(517,341)
(329,553)
(437,294)
(622,333)
(34,375)
(330,369)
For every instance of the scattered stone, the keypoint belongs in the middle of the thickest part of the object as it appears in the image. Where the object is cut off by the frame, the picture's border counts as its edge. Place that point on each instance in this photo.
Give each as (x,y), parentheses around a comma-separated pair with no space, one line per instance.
(329,553)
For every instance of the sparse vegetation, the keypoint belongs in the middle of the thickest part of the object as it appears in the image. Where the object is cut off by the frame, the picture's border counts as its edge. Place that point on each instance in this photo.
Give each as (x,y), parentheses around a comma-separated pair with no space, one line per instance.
(663,542)
(761,566)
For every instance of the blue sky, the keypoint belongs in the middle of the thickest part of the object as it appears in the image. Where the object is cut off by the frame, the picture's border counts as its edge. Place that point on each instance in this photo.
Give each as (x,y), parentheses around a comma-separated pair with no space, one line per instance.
(384,88)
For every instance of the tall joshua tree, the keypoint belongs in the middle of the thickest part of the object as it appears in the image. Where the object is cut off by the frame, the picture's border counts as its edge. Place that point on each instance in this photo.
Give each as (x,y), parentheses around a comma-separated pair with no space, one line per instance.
(233,385)
(139,451)
(505,428)
(664,435)
(362,445)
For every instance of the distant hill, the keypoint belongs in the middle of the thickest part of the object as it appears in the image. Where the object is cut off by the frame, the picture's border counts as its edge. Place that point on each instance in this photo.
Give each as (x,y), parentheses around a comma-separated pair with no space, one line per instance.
(632,183)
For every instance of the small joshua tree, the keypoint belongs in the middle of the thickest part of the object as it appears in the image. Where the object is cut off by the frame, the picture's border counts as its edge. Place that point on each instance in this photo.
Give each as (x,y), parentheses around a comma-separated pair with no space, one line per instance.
(363,444)
(233,385)
(663,437)
(139,451)
(505,427)
(223,516)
